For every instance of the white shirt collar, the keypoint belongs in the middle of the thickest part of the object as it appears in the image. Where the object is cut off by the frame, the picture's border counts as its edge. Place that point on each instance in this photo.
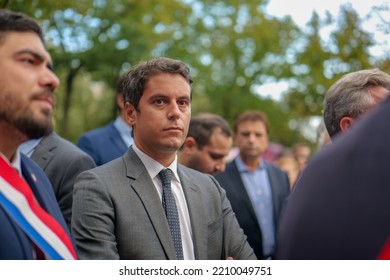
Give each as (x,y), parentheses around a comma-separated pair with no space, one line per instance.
(16,163)
(154,167)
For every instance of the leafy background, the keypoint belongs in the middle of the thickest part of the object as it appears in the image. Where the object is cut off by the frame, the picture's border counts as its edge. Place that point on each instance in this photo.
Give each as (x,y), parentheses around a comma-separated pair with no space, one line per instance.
(232,47)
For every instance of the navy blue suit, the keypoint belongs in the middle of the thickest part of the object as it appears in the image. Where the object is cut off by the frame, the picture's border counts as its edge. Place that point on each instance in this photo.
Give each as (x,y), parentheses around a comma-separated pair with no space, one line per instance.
(14,243)
(340,207)
(103,144)
(241,203)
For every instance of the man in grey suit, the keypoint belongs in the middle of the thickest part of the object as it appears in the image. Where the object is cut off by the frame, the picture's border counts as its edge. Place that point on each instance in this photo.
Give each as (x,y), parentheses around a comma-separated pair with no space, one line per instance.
(62,162)
(125,210)
(256,189)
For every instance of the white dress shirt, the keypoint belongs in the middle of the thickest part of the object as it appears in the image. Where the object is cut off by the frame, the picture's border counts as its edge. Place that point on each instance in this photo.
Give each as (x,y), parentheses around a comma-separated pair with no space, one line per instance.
(153,167)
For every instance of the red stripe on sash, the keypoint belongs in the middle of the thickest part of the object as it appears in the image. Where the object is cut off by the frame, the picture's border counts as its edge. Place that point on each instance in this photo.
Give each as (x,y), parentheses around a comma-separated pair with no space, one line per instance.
(9,174)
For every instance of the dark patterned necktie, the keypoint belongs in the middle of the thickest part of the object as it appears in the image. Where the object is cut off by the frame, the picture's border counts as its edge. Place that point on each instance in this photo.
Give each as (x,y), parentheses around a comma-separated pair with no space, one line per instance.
(169,205)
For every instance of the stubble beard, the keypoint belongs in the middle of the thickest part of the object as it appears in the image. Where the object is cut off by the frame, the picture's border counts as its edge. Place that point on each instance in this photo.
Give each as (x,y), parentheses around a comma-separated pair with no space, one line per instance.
(26,123)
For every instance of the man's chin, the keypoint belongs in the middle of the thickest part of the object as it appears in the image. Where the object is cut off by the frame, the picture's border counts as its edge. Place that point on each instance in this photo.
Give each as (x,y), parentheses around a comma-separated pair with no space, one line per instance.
(172,147)
(38,133)
(253,155)
(35,130)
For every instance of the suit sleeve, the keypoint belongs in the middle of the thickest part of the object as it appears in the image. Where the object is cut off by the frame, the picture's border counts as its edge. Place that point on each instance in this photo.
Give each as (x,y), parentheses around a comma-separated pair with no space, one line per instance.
(93,219)
(64,193)
(235,241)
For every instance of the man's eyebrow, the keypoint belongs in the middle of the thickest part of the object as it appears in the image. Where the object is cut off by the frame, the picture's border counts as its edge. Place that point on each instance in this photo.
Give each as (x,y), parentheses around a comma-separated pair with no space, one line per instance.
(37,55)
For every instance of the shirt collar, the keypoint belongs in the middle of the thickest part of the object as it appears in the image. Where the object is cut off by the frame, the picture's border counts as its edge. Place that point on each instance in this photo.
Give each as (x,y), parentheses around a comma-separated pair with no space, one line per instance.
(16,163)
(241,166)
(29,146)
(154,167)
(122,126)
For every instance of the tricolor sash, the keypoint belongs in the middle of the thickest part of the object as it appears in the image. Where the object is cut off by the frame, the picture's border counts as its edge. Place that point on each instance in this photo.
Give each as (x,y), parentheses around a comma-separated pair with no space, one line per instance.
(385,252)
(18,201)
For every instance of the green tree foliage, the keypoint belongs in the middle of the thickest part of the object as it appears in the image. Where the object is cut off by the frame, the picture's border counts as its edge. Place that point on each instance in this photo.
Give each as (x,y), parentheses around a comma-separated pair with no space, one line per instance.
(324,58)
(381,14)
(109,38)
(232,47)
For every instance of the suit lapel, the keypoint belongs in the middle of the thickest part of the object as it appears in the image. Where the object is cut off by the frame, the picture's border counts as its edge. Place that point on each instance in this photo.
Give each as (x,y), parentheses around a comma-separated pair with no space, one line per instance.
(143,185)
(273,180)
(42,154)
(240,191)
(197,215)
(39,188)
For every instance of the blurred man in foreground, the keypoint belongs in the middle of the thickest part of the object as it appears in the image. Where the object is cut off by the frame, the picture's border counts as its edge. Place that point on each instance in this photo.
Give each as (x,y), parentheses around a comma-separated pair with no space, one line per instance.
(352,96)
(339,208)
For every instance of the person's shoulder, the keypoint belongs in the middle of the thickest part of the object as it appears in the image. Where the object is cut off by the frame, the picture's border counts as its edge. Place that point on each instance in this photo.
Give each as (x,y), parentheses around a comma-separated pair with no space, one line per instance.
(111,168)
(67,149)
(230,171)
(69,146)
(205,184)
(230,165)
(98,132)
(194,175)
(190,172)
(30,164)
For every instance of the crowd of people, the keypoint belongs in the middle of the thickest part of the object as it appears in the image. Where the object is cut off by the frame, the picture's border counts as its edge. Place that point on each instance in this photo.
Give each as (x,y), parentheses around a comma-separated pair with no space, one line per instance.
(158,184)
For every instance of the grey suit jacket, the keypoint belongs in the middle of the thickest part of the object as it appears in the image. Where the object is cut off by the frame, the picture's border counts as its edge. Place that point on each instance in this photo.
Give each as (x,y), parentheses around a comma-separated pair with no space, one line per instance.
(117,214)
(236,192)
(62,162)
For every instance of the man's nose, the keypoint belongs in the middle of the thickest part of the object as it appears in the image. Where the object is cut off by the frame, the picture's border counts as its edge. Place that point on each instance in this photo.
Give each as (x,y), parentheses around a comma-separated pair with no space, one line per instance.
(49,79)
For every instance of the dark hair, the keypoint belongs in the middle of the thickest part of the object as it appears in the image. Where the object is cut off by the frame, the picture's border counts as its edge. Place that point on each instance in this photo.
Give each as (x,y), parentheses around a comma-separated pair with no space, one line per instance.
(203,125)
(120,83)
(16,22)
(251,116)
(136,78)
(350,96)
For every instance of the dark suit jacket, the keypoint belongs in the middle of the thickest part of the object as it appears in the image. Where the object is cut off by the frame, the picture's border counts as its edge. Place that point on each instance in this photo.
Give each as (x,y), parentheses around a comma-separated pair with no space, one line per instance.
(236,192)
(62,162)
(340,207)
(117,214)
(14,243)
(103,144)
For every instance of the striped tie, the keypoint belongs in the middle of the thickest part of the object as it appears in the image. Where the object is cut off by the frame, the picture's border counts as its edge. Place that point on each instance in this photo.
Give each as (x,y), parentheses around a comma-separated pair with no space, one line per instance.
(169,204)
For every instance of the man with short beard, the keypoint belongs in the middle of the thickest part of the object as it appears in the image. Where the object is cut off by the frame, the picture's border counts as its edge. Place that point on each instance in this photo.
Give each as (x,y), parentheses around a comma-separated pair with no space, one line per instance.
(207,144)
(32,226)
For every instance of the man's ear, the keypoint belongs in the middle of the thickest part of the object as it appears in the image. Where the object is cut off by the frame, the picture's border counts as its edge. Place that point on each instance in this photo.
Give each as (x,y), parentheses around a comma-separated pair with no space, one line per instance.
(131,113)
(345,124)
(189,144)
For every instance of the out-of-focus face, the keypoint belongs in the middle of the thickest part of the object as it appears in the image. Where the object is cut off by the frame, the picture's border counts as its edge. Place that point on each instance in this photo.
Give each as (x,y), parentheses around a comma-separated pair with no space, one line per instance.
(211,158)
(27,84)
(252,139)
(302,155)
(161,123)
(289,166)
